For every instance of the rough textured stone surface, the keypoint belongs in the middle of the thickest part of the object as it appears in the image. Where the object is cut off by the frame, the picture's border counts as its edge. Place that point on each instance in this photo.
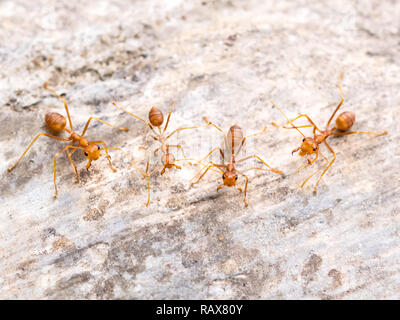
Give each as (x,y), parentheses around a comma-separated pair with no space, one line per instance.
(225,60)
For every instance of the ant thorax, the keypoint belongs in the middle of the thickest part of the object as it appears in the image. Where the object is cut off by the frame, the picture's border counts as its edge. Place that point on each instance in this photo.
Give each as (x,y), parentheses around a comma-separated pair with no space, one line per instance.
(319,138)
(162,140)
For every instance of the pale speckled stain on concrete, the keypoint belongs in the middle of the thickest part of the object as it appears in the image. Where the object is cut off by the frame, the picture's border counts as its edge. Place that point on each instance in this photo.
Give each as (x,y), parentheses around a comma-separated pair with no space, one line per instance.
(225,60)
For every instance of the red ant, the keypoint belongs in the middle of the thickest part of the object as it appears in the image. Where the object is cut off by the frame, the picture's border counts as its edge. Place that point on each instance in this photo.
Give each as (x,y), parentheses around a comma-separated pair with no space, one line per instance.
(168,161)
(310,145)
(233,143)
(56,123)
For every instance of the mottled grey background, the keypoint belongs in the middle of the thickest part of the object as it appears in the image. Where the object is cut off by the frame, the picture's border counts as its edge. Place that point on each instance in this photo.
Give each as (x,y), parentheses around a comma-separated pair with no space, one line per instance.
(224,60)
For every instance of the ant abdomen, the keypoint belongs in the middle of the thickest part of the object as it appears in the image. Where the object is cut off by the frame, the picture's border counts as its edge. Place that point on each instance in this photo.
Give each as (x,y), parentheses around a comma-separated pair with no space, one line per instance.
(345,120)
(156,117)
(55,121)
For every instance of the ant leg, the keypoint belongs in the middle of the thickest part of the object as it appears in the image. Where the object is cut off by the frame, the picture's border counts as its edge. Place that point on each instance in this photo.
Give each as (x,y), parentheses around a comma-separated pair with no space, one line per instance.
(169,116)
(143,173)
(257,157)
(88,165)
(186,128)
(131,114)
(245,188)
(309,162)
(72,163)
(210,166)
(55,166)
(218,165)
(341,101)
(148,183)
(155,170)
(289,121)
(107,155)
(250,135)
(63,100)
(212,124)
(284,127)
(315,172)
(211,152)
(102,121)
(76,147)
(147,169)
(302,166)
(254,134)
(201,161)
(339,134)
(74,150)
(148,191)
(146,142)
(255,168)
(148,180)
(195,127)
(217,170)
(333,160)
(183,152)
(33,141)
(147,165)
(69,154)
(130,160)
(312,124)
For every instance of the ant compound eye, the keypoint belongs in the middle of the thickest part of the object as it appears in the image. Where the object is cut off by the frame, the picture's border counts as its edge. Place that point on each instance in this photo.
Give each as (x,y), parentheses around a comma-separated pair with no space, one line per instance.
(304,139)
(223,176)
(236,177)
(86,154)
(98,147)
(314,149)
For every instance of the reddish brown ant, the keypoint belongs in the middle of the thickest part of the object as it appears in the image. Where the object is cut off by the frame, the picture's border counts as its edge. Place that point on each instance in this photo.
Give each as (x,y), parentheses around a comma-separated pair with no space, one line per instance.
(168,161)
(310,145)
(56,123)
(233,143)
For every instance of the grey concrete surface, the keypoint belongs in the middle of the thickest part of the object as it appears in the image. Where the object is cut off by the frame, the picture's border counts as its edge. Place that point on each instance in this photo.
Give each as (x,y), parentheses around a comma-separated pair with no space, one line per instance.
(223,60)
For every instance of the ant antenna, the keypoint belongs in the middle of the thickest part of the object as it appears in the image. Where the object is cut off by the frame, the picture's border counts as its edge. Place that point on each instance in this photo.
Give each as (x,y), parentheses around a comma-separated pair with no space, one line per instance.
(287,118)
(341,96)
(151,127)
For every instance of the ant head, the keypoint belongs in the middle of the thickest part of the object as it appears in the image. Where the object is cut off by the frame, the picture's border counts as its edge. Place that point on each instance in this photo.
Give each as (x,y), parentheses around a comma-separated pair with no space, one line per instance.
(230,176)
(308,146)
(168,160)
(156,117)
(92,152)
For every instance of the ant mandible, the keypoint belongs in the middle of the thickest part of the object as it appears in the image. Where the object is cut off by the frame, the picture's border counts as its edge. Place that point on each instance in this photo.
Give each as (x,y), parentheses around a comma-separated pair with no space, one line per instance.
(56,123)
(168,161)
(233,143)
(310,145)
